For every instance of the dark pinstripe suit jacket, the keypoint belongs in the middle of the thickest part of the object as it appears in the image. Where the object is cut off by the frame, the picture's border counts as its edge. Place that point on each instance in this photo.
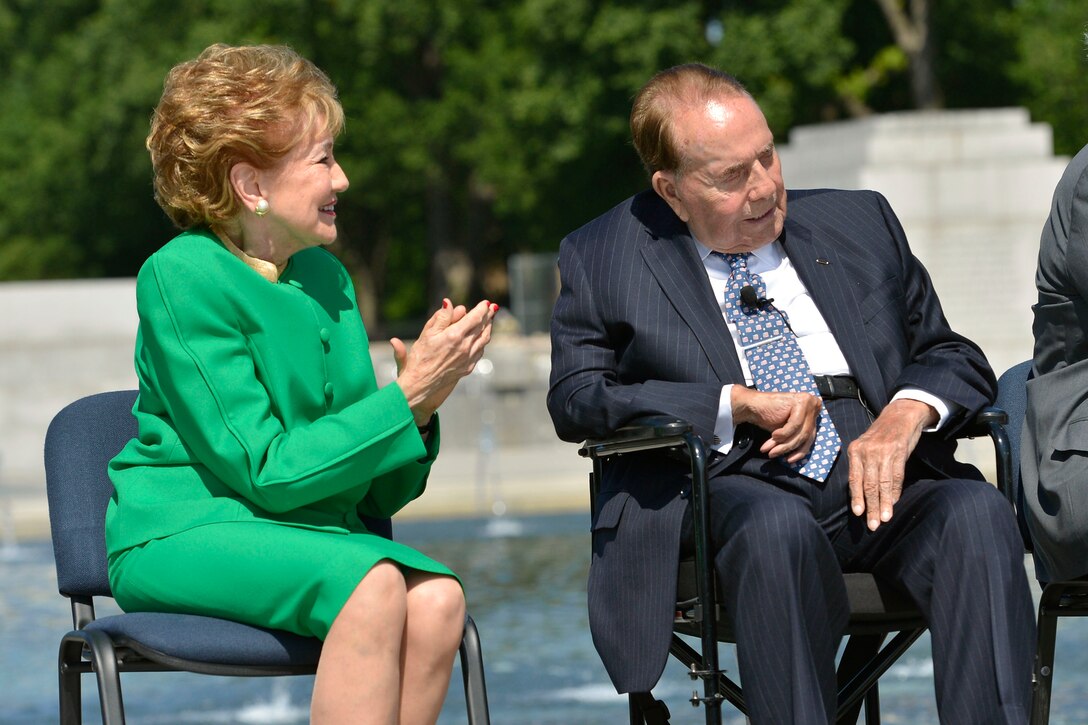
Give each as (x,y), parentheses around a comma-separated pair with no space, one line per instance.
(637,331)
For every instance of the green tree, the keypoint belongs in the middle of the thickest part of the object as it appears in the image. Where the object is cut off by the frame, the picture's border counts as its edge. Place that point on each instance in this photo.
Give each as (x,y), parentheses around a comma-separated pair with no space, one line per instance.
(476,128)
(792,56)
(490,129)
(75,192)
(1052,65)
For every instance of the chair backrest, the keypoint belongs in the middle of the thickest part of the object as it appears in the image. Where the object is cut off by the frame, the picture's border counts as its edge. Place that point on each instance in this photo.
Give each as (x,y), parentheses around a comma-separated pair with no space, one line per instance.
(79,444)
(81,440)
(1012,397)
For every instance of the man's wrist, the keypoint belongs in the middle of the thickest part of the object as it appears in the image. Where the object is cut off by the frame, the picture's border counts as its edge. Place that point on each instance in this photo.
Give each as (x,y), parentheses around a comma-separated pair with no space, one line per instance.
(924,415)
(943,408)
(739,397)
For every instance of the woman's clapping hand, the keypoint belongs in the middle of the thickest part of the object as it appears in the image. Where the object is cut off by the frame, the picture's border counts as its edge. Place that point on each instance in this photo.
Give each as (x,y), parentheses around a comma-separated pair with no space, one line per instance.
(448,348)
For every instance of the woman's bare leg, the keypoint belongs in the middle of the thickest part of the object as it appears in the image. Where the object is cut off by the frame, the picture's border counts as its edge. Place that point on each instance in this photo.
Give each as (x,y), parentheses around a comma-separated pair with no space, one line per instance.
(433,630)
(359,673)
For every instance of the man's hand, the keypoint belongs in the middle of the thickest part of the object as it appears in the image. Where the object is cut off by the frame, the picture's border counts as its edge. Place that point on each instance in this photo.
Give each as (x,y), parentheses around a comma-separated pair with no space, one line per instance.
(878,458)
(790,418)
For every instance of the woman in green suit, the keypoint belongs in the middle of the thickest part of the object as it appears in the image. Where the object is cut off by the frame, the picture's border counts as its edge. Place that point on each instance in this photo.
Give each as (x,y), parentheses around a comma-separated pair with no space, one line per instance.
(264,440)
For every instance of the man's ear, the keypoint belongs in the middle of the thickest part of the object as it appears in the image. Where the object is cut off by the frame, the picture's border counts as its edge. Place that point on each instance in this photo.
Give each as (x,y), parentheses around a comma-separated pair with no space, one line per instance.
(245,181)
(664,183)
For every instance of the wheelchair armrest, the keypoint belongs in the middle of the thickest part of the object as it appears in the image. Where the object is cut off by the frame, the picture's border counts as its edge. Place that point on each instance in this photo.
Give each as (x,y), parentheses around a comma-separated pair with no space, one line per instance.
(663,431)
(990,422)
(641,434)
(984,422)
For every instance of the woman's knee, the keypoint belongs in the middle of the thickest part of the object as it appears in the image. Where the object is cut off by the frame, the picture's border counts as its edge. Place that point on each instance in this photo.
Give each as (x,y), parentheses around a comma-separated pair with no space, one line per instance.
(381,593)
(373,617)
(438,602)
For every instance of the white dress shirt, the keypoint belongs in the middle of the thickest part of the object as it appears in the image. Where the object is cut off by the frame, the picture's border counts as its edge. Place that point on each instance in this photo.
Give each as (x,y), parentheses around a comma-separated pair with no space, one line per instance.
(813,335)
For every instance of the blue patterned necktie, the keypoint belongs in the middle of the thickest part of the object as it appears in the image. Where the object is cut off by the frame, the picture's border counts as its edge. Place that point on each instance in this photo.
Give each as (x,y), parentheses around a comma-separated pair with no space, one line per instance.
(775,359)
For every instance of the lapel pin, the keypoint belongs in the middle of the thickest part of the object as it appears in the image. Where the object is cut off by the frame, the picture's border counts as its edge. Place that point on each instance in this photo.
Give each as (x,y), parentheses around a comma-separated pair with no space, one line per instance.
(821,260)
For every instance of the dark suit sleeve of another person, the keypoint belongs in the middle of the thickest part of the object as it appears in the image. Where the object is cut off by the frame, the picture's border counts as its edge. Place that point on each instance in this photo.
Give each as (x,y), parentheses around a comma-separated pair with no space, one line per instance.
(1054,447)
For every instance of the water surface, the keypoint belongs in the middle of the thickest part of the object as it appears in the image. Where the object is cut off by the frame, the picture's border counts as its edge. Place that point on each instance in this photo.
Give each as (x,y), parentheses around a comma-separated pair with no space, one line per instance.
(525,581)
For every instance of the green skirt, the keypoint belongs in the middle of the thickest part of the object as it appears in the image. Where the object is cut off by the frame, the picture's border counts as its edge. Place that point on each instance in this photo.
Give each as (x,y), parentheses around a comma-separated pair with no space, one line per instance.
(266,574)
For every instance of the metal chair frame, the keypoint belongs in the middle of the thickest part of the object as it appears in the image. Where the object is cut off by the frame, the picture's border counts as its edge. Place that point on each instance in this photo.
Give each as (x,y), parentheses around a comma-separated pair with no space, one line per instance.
(89,651)
(109,646)
(866,656)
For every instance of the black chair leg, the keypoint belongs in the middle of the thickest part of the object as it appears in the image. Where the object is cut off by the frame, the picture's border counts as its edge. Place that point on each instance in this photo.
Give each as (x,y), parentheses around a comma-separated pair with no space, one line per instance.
(859,652)
(71,686)
(872,706)
(1044,661)
(472,671)
(104,659)
(647,710)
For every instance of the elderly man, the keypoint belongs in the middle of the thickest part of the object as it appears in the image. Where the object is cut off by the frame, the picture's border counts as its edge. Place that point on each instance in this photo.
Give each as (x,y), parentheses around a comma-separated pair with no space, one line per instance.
(810,349)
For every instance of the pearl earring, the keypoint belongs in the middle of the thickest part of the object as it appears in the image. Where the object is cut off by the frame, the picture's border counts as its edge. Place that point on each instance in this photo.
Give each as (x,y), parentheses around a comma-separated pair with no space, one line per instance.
(262,207)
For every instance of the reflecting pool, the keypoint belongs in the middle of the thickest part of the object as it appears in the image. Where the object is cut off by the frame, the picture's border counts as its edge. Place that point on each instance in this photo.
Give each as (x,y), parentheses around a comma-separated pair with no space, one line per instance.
(525,581)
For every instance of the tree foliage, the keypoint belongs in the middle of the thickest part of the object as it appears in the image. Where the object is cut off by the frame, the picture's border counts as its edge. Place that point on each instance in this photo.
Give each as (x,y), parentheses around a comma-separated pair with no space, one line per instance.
(476,129)
(1052,65)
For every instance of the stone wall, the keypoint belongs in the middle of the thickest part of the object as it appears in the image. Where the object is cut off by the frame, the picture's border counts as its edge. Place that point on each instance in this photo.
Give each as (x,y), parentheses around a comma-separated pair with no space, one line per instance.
(63,340)
(972,189)
(58,341)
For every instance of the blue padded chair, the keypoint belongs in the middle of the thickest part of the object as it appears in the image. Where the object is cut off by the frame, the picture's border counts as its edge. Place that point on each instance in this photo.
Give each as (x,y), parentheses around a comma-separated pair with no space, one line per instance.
(81,440)
(1058,599)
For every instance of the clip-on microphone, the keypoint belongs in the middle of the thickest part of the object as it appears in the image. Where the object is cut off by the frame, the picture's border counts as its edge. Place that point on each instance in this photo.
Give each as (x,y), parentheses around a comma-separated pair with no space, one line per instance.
(749,297)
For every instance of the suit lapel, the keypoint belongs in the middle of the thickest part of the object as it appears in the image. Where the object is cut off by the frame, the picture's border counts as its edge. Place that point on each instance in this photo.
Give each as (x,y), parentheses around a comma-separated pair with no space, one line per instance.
(676,266)
(821,270)
(672,259)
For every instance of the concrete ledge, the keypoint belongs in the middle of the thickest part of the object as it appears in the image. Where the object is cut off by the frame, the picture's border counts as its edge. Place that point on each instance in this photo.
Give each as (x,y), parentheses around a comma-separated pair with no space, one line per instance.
(516,481)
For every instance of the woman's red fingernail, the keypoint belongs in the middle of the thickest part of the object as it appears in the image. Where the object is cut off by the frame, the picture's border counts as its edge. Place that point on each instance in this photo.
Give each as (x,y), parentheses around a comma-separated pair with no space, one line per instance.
(445,304)
(494,308)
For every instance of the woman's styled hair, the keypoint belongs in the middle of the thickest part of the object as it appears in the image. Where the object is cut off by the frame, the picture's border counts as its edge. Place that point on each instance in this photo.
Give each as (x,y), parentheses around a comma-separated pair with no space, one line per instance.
(692,84)
(232,104)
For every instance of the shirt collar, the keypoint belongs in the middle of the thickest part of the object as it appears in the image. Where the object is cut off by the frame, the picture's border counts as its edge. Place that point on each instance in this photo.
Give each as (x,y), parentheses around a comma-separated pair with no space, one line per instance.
(769,255)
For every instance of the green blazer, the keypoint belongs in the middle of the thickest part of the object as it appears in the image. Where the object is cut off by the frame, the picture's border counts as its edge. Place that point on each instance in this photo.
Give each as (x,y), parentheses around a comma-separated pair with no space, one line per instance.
(257,402)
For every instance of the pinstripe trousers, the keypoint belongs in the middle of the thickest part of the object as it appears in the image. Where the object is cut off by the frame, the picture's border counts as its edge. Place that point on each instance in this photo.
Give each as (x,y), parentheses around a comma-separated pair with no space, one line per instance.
(782,541)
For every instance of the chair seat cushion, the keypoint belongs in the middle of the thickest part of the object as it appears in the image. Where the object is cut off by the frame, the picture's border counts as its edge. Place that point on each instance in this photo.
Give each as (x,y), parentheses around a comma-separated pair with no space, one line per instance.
(175,639)
(875,606)
(871,598)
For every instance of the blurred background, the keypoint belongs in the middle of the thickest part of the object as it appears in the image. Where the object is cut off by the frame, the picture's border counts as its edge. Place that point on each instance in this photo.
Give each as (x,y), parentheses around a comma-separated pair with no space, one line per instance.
(476,130)
(478,134)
